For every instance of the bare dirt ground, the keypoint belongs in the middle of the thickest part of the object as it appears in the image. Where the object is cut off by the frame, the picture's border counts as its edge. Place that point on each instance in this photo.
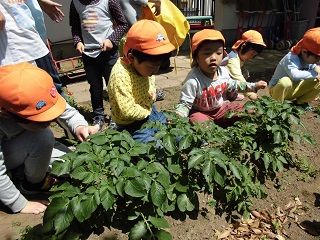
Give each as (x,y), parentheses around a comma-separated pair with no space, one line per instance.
(292,206)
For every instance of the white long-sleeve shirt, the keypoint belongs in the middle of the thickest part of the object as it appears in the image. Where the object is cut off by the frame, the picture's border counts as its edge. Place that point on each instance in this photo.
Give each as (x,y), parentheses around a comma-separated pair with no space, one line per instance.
(292,66)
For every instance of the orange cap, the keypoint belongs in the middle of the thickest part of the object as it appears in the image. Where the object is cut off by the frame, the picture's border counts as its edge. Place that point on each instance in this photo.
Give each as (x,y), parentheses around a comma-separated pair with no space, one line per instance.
(206,34)
(149,37)
(29,92)
(251,36)
(310,41)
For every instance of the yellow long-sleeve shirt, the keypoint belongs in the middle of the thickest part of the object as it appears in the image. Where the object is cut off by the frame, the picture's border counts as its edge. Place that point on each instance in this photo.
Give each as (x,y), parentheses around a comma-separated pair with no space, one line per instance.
(129,94)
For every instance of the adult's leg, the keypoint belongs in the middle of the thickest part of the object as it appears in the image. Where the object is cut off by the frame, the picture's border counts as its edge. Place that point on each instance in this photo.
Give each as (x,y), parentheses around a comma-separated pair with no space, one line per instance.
(31,149)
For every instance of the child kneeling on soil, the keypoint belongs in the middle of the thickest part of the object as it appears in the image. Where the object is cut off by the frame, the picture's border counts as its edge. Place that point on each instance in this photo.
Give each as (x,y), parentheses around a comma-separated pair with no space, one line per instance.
(202,92)
(131,85)
(29,101)
(248,47)
(297,75)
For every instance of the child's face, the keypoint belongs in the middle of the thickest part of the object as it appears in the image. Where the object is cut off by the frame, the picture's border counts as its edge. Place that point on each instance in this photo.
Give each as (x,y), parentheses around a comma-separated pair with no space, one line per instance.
(310,59)
(146,68)
(248,55)
(209,57)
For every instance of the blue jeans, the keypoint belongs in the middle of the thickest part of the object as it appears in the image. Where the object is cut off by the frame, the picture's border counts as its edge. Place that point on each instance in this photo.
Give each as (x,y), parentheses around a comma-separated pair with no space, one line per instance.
(146,135)
(95,69)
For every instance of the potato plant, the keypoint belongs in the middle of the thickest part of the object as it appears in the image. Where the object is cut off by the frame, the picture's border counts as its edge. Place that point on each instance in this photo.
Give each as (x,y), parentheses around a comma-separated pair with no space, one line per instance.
(117,182)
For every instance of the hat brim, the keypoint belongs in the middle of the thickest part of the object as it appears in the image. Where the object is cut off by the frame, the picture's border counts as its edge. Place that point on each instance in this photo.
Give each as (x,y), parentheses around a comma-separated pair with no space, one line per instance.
(239,42)
(154,51)
(52,113)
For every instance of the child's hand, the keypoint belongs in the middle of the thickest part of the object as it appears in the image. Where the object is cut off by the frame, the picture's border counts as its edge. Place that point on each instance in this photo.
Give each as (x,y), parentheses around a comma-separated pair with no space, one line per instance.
(106,45)
(82,132)
(80,47)
(2,21)
(318,77)
(153,96)
(253,96)
(35,207)
(261,85)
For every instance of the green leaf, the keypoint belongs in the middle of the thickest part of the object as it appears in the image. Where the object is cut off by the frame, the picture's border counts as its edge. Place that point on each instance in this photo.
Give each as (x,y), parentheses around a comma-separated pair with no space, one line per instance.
(138,231)
(135,188)
(163,235)
(80,173)
(159,222)
(266,160)
(60,168)
(158,194)
(106,198)
(130,172)
(277,137)
(76,208)
(184,203)
(219,176)
(99,139)
(88,206)
(195,160)
(63,218)
(184,143)
(51,212)
(234,170)
(84,147)
(169,143)
(208,170)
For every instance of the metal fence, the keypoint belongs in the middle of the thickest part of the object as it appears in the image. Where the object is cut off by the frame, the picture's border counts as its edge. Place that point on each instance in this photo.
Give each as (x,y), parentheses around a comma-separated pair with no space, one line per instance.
(195,7)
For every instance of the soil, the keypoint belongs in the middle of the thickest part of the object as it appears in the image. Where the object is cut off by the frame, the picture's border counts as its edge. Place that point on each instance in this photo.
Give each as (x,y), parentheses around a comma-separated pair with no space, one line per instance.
(290,211)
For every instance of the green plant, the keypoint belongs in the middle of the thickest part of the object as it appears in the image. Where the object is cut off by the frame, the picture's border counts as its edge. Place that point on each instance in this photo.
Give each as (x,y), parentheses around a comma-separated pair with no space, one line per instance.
(115,179)
(306,168)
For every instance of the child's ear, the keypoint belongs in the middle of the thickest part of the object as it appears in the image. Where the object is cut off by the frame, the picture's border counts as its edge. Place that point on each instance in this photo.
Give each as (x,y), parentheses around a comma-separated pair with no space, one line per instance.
(130,57)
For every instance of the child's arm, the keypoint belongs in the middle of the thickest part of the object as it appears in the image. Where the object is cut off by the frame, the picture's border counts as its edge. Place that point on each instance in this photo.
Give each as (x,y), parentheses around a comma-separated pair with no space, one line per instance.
(188,94)
(75,23)
(121,23)
(235,85)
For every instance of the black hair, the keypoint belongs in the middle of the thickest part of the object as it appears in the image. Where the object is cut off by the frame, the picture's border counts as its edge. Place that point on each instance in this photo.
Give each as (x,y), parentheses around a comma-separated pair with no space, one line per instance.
(195,53)
(19,119)
(248,46)
(144,57)
(309,53)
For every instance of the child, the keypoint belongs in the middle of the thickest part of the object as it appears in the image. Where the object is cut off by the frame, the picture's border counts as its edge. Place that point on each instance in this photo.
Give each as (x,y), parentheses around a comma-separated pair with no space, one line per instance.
(97,27)
(131,86)
(297,75)
(31,102)
(23,34)
(202,92)
(248,47)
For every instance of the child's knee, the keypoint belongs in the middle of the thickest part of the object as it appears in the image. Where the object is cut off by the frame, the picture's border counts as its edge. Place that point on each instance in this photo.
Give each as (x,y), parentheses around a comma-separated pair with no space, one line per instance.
(284,83)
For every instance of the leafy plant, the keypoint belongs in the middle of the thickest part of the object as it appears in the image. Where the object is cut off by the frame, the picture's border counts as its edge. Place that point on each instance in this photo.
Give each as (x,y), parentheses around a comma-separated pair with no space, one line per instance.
(115,179)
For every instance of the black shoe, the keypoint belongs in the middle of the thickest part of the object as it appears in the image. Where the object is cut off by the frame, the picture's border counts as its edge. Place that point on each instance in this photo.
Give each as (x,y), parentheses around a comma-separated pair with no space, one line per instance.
(305,106)
(112,125)
(99,120)
(160,94)
(42,187)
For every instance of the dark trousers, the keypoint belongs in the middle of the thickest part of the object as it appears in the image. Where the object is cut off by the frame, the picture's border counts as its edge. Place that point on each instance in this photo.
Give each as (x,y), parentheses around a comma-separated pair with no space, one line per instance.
(95,69)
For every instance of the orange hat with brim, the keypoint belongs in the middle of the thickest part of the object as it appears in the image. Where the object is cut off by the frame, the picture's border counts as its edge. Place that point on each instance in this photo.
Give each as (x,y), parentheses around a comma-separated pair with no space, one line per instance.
(310,41)
(251,36)
(29,92)
(149,37)
(207,34)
